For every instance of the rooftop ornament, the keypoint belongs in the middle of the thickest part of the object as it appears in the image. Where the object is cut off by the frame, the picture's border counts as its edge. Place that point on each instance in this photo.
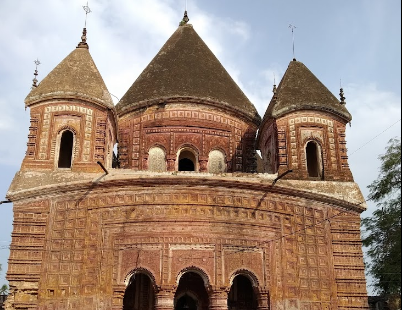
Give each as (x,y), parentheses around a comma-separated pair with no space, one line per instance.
(83,43)
(342,95)
(35,80)
(185,19)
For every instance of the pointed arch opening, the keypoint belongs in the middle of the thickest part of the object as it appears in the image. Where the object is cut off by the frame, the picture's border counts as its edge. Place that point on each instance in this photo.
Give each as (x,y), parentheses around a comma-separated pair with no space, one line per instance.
(187,160)
(139,294)
(242,295)
(314,160)
(66,149)
(191,293)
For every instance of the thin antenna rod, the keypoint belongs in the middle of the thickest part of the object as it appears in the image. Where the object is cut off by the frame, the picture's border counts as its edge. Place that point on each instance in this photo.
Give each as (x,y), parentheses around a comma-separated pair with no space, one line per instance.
(293,39)
(87,10)
(185,7)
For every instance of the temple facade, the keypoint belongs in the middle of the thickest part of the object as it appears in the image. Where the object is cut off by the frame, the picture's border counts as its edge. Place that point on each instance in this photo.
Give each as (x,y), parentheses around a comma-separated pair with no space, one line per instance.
(205,205)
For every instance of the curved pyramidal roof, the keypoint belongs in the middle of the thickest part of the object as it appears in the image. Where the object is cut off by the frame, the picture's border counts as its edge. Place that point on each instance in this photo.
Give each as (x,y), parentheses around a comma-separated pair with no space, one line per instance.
(300,89)
(186,67)
(75,77)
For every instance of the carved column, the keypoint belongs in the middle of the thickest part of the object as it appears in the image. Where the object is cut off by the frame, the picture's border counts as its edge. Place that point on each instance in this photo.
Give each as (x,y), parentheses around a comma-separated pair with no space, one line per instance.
(164,299)
(203,164)
(145,162)
(171,160)
(218,299)
(263,299)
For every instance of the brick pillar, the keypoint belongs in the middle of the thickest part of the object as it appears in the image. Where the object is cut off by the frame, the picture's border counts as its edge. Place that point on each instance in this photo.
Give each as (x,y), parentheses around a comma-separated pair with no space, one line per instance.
(165,299)
(203,163)
(218,299)
(171,162)
(263,299)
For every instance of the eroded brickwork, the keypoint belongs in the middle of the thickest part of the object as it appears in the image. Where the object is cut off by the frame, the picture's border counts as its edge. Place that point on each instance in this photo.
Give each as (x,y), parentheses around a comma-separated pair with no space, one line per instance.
(302,253)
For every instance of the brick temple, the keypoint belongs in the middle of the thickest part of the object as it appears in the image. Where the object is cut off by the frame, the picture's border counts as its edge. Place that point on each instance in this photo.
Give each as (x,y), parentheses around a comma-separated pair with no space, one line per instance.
(205,204)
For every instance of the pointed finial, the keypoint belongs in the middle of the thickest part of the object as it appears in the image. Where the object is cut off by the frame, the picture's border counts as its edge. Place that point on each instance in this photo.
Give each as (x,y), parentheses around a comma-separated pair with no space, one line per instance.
(274,89)
(293,39)
(35,80)
(87,11)
(83,42)
(185,19)
(342,96)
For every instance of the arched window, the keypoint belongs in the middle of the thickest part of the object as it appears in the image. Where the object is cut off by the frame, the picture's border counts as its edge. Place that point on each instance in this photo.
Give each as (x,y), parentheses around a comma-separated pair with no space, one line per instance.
(187,161)
(66,149)
(191,293)
(156,159)
(241,295)
(139,293)
(313,157)
(216,162)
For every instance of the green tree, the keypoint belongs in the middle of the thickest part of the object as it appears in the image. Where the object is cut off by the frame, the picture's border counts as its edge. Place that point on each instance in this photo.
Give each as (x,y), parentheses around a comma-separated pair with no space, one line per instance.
(382,231)
(4,288)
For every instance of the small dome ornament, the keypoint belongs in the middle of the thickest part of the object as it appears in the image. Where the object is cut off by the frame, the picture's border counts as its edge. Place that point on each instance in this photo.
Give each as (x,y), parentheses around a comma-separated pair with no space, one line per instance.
(342,97)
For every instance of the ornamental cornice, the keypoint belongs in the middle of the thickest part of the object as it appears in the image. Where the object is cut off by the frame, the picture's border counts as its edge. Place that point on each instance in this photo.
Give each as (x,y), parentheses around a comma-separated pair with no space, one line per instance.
(350,199)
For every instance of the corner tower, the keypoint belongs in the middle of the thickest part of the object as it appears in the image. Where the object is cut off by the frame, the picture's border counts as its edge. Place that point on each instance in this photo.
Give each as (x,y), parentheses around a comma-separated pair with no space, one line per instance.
(73,121)
(303,129)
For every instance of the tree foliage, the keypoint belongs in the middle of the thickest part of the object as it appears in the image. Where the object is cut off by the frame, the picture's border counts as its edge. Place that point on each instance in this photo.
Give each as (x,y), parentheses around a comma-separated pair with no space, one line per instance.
(383,229)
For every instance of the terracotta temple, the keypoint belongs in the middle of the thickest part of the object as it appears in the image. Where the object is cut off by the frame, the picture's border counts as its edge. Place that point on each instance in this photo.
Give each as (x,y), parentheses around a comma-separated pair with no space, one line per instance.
(181,196)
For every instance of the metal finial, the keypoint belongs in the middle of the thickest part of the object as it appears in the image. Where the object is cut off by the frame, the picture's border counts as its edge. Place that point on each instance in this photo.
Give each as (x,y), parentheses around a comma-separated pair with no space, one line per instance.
(274,88)
(293,39)
(185,19)
(87,11)
(342,96)
(35,80)
(83,42)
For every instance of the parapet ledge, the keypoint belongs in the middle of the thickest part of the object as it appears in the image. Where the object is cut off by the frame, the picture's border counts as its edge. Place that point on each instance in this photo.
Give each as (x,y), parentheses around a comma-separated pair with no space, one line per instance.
(26,183)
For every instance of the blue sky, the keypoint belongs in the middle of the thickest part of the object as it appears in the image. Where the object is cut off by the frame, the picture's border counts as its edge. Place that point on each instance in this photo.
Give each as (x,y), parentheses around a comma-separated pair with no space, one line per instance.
(354,43)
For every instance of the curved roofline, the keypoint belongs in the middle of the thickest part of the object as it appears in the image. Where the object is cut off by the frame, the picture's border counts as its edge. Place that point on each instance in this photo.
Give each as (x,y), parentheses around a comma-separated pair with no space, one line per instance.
(255,117)
(60,95)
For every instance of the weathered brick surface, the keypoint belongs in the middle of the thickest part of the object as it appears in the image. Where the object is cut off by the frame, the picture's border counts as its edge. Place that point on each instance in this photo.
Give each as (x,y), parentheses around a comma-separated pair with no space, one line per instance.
(302,252)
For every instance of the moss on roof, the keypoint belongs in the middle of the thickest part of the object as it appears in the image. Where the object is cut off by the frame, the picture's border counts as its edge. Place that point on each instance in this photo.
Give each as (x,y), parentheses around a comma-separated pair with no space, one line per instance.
(300,89)
(75,77)
(186,67)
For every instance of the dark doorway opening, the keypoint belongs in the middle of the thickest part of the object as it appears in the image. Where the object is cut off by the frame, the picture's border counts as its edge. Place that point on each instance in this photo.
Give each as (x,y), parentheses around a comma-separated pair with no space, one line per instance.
(186,302)
(313,160)
(186,164)
(139,293)
(241,295)
(66,149)
(191,293)
(187,161)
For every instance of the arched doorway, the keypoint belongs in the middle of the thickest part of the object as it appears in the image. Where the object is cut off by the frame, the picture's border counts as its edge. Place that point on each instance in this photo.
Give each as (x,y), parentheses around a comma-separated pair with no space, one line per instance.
(139,293)
(187,161)
(191,293)
(313,157)
(66,149)
(242,295)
